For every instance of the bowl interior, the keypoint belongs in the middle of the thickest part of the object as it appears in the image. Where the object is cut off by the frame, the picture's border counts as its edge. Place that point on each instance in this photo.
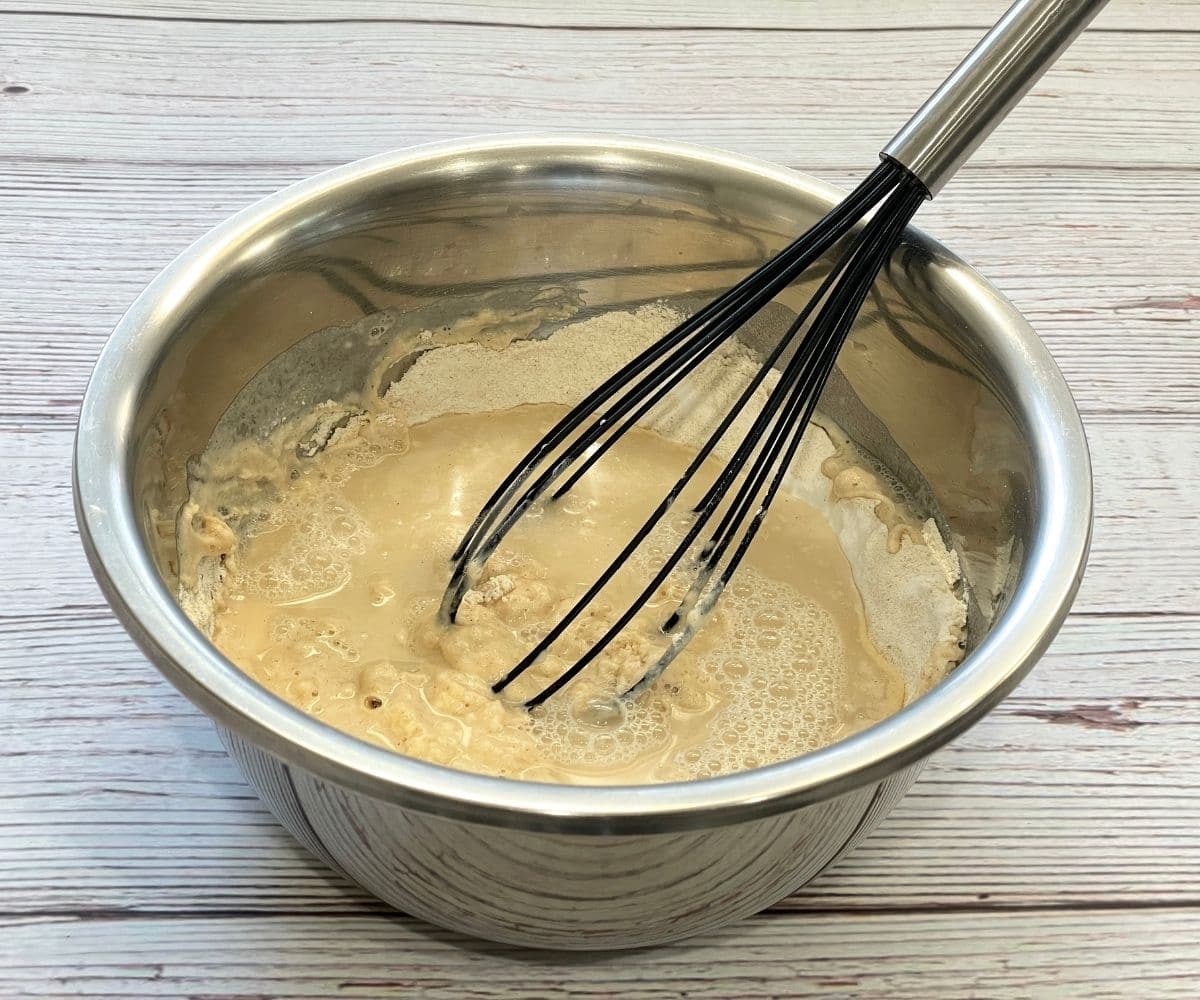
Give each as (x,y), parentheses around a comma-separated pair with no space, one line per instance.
(941,380)
(527,242)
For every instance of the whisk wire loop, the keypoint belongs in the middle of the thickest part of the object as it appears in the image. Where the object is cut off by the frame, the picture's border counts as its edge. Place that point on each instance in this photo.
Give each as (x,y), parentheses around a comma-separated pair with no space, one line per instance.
(842,314)
(673,356)
(782,420)
(847,282)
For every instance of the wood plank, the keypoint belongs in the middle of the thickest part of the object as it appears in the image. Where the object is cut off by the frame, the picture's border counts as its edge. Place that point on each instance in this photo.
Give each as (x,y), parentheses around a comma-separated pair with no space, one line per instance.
(1144,500)
(1139,953)
(1027,810)
(299,95)
(663,15)
(1069,249)
(124,796)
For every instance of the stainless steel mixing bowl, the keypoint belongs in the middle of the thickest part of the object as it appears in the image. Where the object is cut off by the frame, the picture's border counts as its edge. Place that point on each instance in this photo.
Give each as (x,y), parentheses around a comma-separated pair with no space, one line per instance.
(942,380)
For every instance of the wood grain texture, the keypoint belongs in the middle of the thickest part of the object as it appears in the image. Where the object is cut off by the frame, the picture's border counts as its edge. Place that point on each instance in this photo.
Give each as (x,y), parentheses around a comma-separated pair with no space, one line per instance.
(663,15)
(828,103)
(1132,953)
(1052,851)
(1097,800)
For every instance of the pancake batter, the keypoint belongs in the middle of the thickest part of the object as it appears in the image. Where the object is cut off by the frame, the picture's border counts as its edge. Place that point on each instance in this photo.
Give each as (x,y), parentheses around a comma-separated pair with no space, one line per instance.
(322,556)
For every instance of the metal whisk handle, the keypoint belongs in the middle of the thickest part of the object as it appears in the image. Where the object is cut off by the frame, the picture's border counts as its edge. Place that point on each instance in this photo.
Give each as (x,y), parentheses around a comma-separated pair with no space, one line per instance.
(986,85)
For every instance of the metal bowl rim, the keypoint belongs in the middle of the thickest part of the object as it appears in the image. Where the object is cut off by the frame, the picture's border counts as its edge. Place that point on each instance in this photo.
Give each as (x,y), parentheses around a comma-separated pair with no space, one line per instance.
(106,518)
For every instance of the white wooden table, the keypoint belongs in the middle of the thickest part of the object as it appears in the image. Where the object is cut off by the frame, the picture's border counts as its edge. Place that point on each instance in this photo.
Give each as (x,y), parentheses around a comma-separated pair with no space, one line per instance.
(1052,851)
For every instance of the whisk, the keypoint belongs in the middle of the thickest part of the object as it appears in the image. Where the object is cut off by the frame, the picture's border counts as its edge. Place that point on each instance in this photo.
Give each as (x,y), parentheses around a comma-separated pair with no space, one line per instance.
(914,166)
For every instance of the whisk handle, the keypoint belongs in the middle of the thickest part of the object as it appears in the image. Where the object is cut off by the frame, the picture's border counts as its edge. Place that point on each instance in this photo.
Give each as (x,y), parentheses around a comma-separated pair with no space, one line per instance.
(986,85)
